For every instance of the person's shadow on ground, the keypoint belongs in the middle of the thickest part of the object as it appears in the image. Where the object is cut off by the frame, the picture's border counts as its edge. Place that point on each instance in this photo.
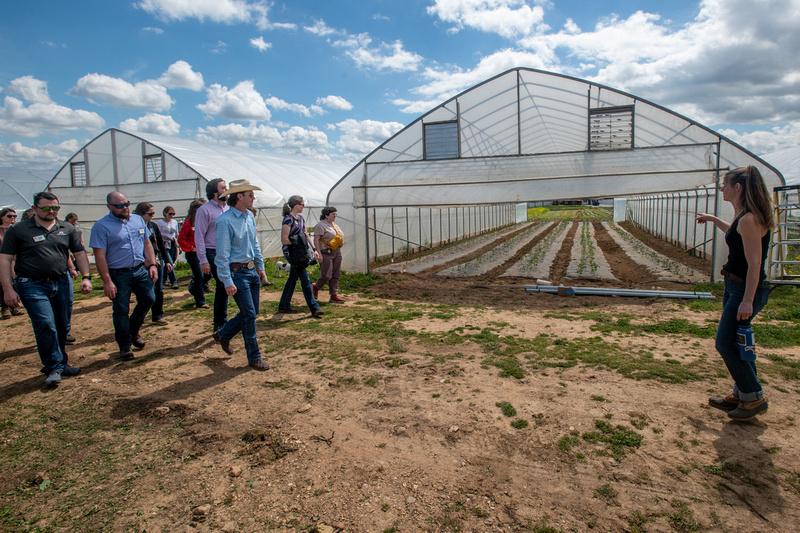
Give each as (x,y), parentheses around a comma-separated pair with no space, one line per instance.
(747,475)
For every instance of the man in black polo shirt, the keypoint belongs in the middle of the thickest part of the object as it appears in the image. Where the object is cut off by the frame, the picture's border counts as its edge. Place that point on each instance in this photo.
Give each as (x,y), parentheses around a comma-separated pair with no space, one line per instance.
(39,248)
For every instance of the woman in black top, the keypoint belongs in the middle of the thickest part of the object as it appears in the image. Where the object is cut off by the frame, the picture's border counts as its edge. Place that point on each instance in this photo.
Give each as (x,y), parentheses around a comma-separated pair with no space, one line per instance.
(745,294)
(163,259)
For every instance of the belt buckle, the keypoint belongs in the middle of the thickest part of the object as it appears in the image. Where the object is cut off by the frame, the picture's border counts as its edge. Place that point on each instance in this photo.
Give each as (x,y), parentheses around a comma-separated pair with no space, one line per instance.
(250,264)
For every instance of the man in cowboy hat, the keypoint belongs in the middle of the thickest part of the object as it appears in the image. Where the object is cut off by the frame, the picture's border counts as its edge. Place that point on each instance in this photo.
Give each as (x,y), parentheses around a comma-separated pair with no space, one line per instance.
(240,267)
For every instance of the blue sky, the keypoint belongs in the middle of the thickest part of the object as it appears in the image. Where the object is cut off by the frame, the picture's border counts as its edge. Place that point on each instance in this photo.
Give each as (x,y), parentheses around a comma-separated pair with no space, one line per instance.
(334,79)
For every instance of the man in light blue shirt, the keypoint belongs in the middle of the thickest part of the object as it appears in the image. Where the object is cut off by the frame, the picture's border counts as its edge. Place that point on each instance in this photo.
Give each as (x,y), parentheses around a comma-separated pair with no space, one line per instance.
(240,267)
(126,261)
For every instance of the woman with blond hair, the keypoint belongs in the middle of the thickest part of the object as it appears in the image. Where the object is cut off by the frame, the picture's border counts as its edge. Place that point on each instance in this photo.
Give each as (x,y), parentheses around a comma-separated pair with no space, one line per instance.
(746,293)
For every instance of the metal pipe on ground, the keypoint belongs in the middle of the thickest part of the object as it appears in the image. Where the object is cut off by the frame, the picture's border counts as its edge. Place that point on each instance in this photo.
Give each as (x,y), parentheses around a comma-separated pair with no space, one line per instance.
(611,291)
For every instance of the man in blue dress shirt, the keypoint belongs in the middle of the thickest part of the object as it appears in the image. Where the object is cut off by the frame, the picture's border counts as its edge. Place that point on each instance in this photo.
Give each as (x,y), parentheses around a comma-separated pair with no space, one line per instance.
(126,262)
(240,267)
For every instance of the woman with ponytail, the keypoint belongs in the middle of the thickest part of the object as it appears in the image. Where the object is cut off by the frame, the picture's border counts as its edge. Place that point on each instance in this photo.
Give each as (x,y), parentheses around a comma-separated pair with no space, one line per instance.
(747,237)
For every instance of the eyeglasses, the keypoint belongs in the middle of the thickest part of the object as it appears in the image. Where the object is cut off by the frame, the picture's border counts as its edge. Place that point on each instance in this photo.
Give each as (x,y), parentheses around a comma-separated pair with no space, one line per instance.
(151,213)
(49,208)
(120,206)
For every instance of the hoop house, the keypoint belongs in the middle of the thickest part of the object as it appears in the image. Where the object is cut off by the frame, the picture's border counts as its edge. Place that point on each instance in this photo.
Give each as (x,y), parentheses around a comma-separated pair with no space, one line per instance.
(174,171)
(523,135)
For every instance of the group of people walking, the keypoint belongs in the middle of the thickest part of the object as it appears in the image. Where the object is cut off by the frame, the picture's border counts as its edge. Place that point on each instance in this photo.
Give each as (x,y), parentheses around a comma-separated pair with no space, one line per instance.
(134,255)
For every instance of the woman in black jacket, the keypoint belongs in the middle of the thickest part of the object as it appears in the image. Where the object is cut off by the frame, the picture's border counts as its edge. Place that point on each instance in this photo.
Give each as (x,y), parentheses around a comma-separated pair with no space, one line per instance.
(163,259)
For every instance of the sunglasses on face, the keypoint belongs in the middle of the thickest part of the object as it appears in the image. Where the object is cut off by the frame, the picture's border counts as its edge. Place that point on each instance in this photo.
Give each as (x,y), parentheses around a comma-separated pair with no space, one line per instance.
(151,213)
(120,206)
(171,214)
(49,208)
(9,215)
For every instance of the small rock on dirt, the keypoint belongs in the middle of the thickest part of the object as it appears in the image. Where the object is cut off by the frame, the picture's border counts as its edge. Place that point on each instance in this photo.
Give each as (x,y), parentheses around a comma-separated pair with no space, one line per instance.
(230,527)
(39,478)
(400,430)
(325,528)
(201,512)
(161,410)
(235,471)
(453,429)
(411,500)
(304,409)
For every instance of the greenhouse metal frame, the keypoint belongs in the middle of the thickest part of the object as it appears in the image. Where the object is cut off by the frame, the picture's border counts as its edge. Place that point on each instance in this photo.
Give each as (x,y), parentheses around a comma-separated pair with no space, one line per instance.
(525,135)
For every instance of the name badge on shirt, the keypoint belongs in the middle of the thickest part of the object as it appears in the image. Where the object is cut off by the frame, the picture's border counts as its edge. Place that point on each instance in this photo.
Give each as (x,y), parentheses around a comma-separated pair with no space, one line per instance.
(141,231)
(38,238)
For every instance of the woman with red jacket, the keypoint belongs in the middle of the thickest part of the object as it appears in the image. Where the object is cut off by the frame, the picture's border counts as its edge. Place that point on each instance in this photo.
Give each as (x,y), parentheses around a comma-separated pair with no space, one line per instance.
(186,242)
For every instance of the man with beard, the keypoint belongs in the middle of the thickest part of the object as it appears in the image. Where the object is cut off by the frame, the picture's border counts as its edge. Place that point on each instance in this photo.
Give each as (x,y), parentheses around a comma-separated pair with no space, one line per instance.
(126,262)
(39,248)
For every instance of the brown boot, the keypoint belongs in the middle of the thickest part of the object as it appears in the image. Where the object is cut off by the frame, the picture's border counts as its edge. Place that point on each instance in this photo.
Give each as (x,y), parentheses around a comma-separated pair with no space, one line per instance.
(5,313)
(728,403)
(748,410)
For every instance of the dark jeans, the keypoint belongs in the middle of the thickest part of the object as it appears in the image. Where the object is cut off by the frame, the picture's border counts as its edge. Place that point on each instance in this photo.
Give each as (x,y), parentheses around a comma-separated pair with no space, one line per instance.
(248,285)
(47,303)
(288,289)
(220,296)
(158,290)
(173,254)
(71,302)
(139,283)
(329,270)
(744,374)
(199,279)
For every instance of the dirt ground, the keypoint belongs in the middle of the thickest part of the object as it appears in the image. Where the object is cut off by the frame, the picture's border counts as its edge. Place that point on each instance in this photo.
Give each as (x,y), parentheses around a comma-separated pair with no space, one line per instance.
(384,416)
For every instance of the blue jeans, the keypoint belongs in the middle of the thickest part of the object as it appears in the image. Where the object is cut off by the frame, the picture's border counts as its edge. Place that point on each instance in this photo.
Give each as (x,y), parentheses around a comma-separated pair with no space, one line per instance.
(71,302)
(288,289)
(198,279)
(158,291)
(173,254)
(248,285)
(220,296)
(129,281)
(47,303)
(744,374)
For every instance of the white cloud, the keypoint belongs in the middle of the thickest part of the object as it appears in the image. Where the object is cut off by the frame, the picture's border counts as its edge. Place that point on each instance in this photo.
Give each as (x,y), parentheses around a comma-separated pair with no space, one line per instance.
(180,75)
(37,157)
(307,141)
(220,47)
(380,17)
(276,103)
(241,102)
(360,137)
(320,28)
(415,106)
(385,57)
(102,89)
(508,18)
(222,11)
(30,89)
(767,141)
(152,123)
(260,44)
(334,102)
(38,118)
(154,30)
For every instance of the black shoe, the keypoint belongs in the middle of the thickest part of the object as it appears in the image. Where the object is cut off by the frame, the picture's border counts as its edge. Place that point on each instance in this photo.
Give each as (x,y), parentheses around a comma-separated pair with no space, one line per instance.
(259,365)
(318,313)
(125,355)
(224,344)
(290,311)
(70,340)
(728,403)
(70,371)
(160,321)
(53,379)
(138,342)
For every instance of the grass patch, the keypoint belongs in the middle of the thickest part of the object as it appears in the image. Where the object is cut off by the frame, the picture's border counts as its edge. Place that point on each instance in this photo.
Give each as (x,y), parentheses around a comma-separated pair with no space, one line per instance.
(567,442)
(519,424)
(507,409)
(616,438)
(570,213)
(607,493)
(682,518)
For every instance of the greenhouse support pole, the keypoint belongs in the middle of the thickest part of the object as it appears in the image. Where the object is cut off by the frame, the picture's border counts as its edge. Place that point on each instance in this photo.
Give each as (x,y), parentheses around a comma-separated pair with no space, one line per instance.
(366,217)
(716,213)
(688,220)
(694,226)
(392,215)
(705,230)
(408,236)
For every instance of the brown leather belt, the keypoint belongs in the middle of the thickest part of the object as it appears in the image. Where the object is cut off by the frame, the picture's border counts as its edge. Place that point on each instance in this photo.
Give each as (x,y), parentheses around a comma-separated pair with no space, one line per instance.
(732,277)
(239,266)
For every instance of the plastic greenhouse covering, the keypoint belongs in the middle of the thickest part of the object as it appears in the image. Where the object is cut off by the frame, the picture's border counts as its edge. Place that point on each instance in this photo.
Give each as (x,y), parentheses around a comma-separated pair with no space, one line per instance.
(524,135)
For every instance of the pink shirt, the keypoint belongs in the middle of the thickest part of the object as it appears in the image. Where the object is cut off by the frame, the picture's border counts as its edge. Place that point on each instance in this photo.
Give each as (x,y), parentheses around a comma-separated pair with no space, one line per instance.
(205,228)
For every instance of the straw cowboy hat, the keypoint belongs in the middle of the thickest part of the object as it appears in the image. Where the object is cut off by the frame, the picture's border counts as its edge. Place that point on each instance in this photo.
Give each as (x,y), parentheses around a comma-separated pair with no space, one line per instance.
(241,186)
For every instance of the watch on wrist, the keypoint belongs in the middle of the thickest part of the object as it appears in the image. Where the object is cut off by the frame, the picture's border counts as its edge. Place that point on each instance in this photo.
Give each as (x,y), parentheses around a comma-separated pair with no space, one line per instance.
(87,276)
